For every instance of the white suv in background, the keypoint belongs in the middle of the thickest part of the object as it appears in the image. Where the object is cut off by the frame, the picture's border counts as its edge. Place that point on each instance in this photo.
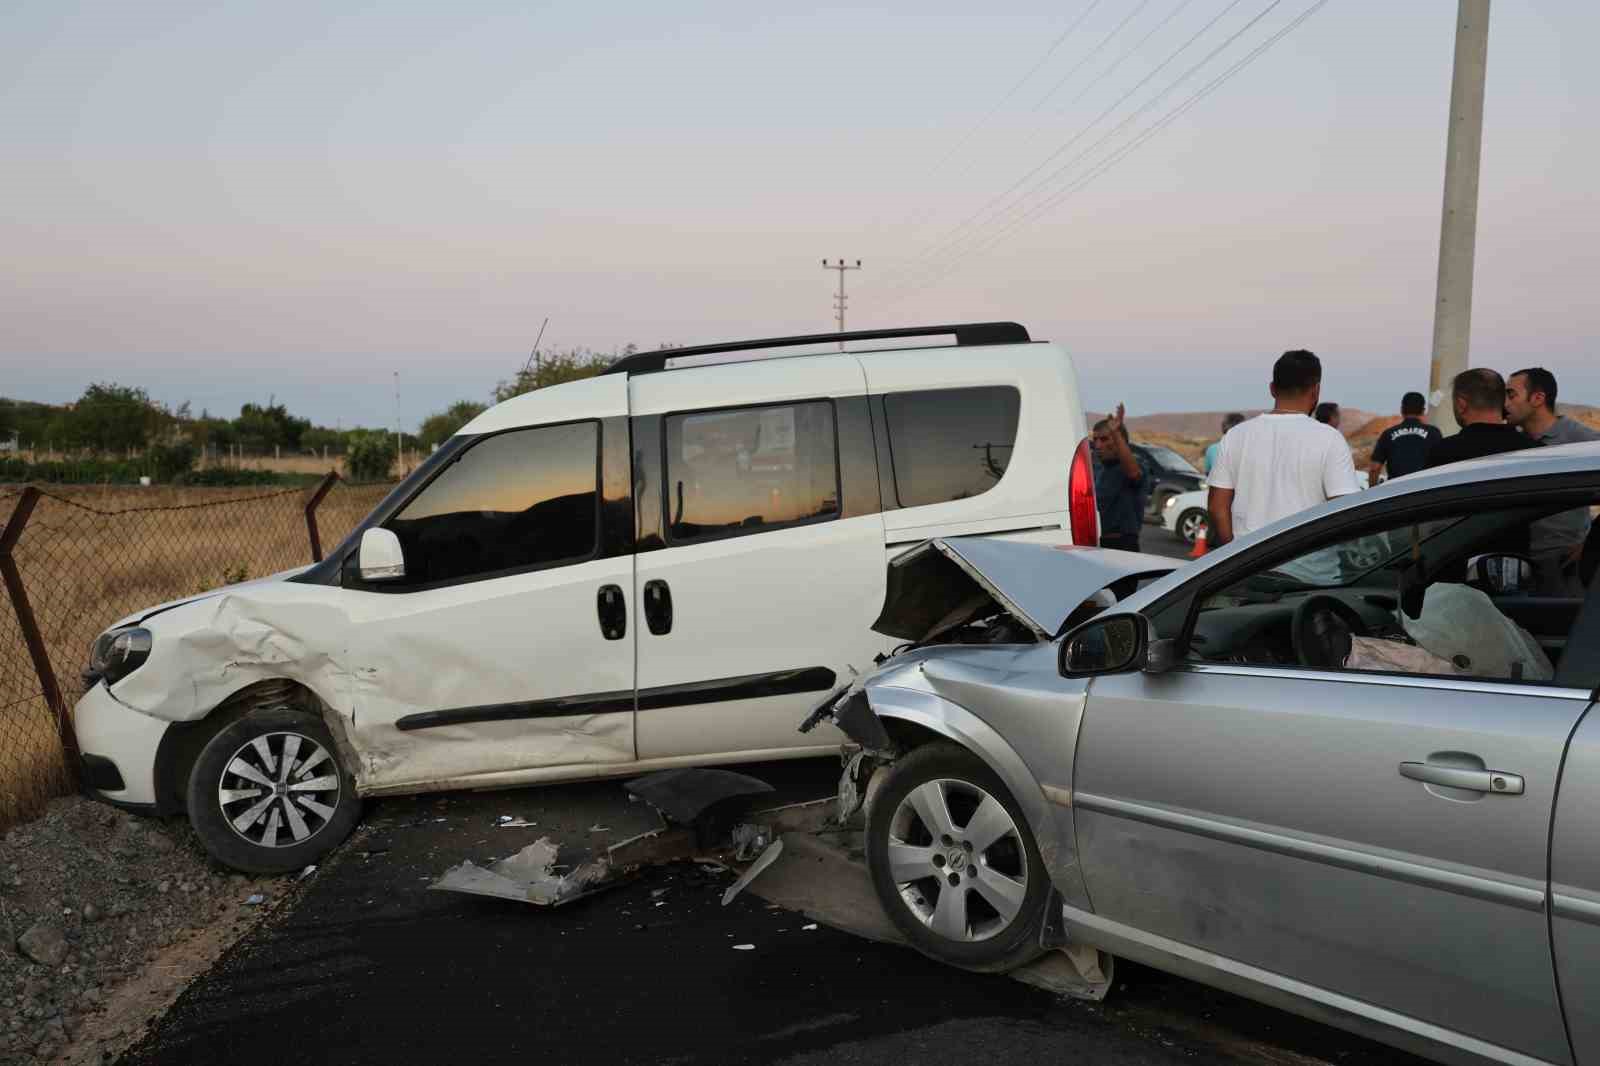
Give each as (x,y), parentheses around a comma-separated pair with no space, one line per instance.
(665,565)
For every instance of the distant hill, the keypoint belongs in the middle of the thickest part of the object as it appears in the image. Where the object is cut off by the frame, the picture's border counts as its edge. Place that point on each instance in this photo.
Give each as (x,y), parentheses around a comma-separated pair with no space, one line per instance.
(1188,432)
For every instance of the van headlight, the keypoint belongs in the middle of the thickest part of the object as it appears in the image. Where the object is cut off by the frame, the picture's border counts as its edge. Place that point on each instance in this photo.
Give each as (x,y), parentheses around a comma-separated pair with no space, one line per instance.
(119,653)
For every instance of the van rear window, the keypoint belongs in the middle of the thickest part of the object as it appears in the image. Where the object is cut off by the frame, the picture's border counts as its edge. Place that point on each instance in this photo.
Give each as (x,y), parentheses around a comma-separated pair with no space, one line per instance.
(950,444)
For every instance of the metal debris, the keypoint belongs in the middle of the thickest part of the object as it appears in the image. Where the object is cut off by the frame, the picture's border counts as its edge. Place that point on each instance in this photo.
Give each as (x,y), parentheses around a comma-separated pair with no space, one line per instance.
(529,876)
(767,858)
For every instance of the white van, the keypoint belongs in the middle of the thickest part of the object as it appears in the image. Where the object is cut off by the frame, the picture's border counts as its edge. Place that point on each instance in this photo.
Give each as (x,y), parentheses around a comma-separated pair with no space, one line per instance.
(665,565)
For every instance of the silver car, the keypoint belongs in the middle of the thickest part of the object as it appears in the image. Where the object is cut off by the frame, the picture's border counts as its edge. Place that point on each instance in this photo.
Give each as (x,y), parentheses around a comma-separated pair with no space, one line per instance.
(1345,765)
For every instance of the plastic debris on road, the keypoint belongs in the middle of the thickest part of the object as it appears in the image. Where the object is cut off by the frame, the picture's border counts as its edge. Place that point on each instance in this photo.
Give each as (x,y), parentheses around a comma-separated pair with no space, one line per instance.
(255,900)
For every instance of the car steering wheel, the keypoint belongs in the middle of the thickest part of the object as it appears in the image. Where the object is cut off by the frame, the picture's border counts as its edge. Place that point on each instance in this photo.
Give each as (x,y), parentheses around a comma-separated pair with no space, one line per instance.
(1322,629)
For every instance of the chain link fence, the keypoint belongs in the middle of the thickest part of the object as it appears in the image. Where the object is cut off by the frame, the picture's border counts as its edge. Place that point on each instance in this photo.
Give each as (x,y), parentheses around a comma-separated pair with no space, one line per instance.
(75,559)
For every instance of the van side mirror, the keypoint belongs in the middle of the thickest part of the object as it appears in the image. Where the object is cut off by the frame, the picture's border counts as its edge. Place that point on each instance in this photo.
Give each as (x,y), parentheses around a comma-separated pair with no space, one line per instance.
(379,557)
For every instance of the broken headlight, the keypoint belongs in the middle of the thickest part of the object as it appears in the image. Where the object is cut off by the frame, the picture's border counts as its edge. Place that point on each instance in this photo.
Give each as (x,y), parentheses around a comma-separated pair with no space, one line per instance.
(117,654)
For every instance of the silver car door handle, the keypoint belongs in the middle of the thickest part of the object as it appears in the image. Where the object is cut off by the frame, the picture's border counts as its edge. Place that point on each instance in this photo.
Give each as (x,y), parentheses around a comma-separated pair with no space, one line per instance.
(1473,780)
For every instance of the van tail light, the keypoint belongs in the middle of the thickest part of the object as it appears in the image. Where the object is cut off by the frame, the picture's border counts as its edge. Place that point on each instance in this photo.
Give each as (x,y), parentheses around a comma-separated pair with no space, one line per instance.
(1082,510)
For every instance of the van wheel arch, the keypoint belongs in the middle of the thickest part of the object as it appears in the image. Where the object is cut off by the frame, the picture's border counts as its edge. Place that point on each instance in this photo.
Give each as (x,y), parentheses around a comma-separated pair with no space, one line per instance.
(183,741)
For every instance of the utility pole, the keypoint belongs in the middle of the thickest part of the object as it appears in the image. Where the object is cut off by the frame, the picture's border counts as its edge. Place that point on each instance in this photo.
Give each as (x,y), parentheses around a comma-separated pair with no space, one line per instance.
(839,300)
(398,455)
(1458,228)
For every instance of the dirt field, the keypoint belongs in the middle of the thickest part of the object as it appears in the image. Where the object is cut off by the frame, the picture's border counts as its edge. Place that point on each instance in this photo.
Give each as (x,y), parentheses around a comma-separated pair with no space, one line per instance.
(91,554)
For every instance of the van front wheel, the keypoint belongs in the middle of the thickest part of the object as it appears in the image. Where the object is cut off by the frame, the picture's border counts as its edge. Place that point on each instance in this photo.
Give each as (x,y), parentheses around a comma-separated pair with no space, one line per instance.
(267,794)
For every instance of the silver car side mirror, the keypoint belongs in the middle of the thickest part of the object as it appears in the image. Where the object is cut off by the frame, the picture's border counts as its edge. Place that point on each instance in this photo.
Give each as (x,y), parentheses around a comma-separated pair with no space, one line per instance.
(379,557)
(1104,646)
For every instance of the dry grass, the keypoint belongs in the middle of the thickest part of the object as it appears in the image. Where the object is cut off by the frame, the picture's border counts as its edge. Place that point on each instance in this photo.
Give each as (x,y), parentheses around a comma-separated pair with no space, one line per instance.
(90,555)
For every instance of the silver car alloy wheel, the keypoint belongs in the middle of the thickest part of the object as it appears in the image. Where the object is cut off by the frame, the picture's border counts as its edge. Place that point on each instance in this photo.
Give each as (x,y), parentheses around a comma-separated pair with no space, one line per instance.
(958,860)
(279,789)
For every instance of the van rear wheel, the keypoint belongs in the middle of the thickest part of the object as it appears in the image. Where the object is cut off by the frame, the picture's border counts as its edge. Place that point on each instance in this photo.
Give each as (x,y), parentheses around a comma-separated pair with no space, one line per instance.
(267,794)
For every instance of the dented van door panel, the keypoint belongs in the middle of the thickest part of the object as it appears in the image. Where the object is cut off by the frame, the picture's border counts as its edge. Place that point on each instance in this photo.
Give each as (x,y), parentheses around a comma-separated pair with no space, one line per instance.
(506,674)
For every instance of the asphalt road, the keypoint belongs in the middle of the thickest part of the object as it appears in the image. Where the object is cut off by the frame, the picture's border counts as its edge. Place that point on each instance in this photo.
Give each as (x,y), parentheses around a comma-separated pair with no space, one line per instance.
(369,966)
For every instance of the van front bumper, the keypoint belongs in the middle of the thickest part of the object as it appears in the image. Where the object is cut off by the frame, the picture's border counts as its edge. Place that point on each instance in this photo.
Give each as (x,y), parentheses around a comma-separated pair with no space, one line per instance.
(119,746)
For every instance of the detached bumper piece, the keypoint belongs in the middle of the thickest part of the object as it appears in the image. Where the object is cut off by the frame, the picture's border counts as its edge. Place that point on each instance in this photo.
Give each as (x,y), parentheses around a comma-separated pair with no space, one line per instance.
(704,815)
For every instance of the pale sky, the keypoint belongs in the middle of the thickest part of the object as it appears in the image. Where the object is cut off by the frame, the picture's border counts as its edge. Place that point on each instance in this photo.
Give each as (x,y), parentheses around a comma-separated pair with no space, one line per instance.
(222,201)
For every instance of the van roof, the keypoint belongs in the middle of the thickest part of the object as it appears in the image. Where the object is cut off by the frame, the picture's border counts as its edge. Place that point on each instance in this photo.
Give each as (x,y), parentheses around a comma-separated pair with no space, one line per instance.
(966,334)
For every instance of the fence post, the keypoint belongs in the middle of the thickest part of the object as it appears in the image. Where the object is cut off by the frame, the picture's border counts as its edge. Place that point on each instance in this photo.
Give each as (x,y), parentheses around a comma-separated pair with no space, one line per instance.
(311,513)
(30,626)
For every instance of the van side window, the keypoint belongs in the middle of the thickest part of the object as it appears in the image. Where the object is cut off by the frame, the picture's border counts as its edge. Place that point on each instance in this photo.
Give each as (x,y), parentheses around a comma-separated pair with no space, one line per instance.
(515,501)
(950,444)
(750,470)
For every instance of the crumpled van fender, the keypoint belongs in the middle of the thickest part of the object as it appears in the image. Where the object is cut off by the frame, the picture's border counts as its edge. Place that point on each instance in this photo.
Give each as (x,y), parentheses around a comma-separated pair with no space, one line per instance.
(960,726)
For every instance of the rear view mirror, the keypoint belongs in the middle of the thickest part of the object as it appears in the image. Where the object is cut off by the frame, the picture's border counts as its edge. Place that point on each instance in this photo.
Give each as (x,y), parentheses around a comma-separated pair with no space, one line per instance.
(1105,646)
(379,557)
(1500,575)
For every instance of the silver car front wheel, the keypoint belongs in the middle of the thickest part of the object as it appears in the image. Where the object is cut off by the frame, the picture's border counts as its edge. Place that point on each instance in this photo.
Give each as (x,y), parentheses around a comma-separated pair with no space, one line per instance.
(953,862)
(957,859)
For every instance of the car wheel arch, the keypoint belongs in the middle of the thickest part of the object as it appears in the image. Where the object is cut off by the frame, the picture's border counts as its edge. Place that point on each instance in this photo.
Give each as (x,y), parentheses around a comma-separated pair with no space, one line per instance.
(182,743)
(921,718)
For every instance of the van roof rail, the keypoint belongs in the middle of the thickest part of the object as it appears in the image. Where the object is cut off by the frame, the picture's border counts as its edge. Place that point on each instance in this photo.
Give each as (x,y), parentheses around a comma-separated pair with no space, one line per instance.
(967,334)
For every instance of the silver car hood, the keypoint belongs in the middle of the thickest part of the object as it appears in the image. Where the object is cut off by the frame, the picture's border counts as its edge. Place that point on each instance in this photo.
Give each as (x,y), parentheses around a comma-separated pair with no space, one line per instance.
(942,583)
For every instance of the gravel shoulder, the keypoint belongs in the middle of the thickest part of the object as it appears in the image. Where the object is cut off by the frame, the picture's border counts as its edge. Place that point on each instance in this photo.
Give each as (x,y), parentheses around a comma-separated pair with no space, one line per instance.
(104,919)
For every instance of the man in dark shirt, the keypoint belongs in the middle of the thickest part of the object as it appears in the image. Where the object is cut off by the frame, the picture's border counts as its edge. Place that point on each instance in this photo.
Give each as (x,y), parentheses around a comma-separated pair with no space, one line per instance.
(1404,448)
(1121,485)
(1479,397)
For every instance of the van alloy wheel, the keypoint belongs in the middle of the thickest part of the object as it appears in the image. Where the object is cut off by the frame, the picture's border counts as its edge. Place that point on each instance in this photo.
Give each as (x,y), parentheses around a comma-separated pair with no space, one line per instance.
(957,858)
(267,793)
(279,789)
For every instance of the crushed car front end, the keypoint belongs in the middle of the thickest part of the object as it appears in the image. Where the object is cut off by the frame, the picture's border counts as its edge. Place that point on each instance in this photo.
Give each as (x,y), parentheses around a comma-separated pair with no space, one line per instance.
(963,742)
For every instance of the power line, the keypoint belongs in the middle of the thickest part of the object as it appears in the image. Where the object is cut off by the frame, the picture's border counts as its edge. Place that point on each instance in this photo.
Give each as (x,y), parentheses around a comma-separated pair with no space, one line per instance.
(1117,156)
(954,236)
(1089,86)
(972,131)
(1129,17)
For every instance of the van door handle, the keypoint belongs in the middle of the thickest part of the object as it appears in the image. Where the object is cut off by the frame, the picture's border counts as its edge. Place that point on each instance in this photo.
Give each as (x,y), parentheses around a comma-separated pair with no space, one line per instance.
(1471,780)
(613,612)
(658,607)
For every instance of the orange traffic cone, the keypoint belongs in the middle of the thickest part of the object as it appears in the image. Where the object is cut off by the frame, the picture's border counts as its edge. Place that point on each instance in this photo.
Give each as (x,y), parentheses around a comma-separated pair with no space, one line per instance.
(1199,543)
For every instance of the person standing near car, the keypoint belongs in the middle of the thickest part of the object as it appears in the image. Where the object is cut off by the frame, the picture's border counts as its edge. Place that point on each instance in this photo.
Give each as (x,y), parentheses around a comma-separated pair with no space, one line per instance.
(1556,543)
(1479,398)
(1280,462)
(1209,459)
(1121,485)
(1404,448)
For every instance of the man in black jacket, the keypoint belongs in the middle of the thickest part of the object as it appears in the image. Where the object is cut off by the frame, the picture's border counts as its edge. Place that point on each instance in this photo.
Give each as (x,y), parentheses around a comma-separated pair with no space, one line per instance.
(1479,397)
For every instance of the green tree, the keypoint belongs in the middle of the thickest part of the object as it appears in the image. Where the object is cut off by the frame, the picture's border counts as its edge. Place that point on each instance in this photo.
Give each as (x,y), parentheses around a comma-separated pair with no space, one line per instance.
(369,455)
(262,427)
(558,368)
(111,418)
(438,427)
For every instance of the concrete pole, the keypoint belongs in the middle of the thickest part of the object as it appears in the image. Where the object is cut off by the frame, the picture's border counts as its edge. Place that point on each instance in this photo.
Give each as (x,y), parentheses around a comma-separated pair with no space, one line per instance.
(1458,228)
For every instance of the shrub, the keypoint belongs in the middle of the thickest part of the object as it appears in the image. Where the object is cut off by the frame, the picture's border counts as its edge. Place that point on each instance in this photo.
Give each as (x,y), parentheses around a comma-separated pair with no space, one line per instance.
(369,457)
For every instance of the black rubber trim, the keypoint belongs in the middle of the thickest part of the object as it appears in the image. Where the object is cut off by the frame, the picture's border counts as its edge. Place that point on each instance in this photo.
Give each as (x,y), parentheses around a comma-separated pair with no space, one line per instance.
(748,687)
(858,463)
(560,707)
(131,808)
(721,690)
(101,773)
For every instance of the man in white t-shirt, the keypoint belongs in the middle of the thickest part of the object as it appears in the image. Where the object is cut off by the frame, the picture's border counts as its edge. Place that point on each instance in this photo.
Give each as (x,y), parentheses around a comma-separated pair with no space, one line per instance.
(1281,462)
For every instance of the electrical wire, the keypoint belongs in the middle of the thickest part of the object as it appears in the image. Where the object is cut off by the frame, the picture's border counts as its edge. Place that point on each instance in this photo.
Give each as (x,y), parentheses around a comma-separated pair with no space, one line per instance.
(957,234)
(961,142)
(1120,154)
(1068,76)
